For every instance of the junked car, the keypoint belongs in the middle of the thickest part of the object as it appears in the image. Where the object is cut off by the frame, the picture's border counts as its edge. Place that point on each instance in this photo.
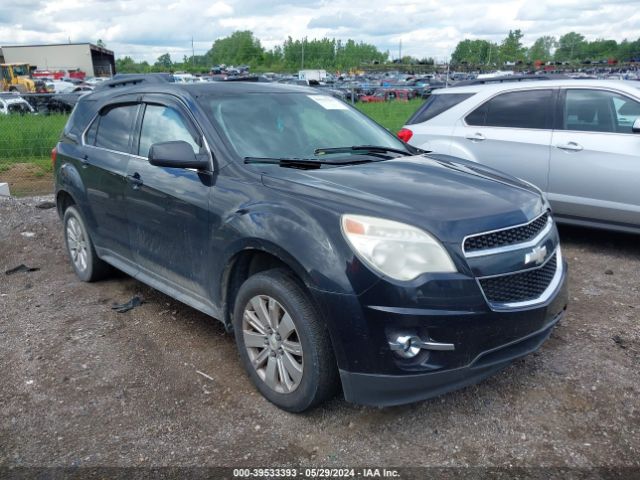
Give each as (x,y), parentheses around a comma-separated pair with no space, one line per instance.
(337,255)
(12,103)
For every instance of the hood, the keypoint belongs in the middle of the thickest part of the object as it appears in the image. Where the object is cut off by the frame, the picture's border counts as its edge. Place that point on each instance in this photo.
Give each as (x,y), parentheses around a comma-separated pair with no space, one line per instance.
(444,195)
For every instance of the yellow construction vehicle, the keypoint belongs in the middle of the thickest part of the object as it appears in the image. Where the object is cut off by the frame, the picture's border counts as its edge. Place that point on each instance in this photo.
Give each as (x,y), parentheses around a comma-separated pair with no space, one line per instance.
(14,77)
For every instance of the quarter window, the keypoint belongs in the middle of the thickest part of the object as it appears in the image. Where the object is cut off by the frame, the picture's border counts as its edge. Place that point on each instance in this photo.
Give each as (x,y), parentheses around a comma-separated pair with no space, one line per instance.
(164,124)
(90,136)
(522,109)
(437,104)
(113,128)
(599,111)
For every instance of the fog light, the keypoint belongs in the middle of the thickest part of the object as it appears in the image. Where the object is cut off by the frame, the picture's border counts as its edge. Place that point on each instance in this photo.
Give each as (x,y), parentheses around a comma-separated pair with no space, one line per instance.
(405,346)
(408,346)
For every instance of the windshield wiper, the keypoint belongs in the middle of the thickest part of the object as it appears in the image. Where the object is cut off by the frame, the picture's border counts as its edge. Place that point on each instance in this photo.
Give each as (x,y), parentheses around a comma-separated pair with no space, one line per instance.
(362,148)
(303,162)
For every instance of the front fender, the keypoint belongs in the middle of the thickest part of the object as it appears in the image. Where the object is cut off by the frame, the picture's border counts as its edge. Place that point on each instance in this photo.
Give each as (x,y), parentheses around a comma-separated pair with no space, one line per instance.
(307,238)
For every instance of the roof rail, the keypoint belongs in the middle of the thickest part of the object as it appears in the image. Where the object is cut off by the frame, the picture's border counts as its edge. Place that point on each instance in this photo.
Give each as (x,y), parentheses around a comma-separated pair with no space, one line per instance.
(502,79)
(131,79)
(247,78)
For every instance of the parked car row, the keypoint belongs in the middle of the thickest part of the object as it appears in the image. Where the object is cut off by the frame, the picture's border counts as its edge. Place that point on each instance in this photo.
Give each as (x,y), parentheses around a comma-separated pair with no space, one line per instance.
(37,103)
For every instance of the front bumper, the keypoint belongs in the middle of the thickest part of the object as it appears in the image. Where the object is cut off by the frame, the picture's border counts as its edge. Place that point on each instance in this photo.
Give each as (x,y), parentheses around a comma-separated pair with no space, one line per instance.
(485,340)
(387,390)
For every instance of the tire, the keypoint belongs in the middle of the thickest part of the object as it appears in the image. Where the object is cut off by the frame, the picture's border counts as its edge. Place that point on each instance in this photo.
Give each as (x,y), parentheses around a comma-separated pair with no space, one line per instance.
(294,382)
(84,260)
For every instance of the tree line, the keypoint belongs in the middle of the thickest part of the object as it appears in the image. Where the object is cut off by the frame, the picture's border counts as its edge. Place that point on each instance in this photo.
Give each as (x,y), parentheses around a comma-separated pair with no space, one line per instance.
(243,48)
(571,47)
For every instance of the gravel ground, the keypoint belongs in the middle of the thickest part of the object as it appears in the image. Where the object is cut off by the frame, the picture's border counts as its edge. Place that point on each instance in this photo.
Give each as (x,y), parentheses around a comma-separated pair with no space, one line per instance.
(82,385)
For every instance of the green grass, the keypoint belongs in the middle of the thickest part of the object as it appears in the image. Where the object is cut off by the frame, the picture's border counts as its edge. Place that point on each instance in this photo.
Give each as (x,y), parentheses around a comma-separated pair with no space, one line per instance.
(28,138)
(391,115)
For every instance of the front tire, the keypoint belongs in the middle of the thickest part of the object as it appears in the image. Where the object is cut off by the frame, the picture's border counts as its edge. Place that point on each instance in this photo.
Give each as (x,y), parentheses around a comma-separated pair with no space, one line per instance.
(283,344)
(85,261)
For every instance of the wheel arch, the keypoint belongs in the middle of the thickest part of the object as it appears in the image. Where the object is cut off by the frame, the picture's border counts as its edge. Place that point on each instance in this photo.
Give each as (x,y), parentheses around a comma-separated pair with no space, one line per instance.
(63,201)
(253,258)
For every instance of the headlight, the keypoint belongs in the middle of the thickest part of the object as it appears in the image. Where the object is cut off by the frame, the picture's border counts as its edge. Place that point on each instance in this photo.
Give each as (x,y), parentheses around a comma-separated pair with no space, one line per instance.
(395,249)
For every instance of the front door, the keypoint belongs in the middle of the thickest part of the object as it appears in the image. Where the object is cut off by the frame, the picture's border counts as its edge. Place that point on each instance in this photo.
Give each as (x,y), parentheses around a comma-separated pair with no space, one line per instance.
(168,208)
(595,158)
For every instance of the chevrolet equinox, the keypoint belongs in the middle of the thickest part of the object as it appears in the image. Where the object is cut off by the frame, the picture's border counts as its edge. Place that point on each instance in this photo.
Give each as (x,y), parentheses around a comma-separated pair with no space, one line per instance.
(336,253)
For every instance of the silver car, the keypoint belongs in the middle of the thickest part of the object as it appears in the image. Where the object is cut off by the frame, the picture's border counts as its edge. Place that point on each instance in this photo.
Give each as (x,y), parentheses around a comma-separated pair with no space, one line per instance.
(576,140)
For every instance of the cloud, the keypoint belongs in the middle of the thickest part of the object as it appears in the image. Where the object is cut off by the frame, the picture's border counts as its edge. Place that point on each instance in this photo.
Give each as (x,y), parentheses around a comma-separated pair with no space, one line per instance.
(144,29)
(219,9)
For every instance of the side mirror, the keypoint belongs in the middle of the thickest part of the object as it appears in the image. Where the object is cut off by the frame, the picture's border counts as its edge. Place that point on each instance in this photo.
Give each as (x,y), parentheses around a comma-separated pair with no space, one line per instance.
(636,126)
(176,154)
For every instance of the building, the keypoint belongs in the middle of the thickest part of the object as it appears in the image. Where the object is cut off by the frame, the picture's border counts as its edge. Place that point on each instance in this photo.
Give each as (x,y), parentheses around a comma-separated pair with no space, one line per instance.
(93,60)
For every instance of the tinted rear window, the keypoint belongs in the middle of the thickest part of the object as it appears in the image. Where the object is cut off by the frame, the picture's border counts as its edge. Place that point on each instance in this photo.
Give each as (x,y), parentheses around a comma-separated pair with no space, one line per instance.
(437,104)
(115,128)
(524,109)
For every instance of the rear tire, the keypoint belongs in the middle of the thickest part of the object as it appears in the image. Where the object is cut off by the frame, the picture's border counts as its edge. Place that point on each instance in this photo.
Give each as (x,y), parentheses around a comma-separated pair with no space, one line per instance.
(282,342)
(84,260)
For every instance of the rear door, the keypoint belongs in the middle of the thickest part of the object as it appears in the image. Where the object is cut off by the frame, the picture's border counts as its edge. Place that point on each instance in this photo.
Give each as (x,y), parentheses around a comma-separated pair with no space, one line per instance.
(431,125)
(595,157)
(168,208)
(103,165)
(510,132)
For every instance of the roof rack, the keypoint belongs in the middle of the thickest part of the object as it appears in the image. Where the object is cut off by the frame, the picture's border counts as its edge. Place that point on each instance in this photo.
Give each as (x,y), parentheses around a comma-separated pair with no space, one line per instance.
(502,79)
(131,79)
(247,78)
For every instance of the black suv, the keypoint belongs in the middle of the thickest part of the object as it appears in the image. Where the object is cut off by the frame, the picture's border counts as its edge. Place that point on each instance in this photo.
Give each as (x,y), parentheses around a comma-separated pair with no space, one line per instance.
(336,253)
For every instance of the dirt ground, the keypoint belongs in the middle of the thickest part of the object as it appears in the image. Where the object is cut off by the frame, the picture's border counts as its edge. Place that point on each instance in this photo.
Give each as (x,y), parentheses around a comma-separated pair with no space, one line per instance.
(82,385)
(26,179)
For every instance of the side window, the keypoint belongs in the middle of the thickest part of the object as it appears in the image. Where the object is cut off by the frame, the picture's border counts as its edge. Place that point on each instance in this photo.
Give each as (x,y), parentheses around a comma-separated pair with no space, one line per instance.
(114,127)
(164,124)
(523,109)
(437,104)
(599,111)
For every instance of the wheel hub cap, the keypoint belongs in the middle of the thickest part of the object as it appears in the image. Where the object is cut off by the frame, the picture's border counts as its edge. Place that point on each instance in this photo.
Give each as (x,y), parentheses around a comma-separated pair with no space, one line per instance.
(77,244)
(272,343)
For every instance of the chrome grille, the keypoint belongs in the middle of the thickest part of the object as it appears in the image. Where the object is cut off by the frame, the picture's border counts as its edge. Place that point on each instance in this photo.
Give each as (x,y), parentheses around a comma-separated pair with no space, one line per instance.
(521,286)
(508,236)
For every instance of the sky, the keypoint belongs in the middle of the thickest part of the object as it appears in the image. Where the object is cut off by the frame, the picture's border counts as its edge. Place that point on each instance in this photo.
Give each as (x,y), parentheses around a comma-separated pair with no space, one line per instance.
(145,29)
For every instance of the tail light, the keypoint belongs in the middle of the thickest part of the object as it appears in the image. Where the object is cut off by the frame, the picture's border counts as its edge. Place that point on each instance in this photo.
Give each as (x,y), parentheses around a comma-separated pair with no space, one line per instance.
(54,155)
(405,135)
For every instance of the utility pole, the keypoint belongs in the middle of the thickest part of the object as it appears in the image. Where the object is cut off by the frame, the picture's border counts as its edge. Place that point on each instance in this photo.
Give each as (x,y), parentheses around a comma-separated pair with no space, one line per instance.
(400,52)
(302,62)
(446,82)
(193,53)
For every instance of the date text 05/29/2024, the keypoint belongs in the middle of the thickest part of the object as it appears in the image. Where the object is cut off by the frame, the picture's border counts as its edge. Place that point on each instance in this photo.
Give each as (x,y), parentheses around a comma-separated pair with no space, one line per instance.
(315,473)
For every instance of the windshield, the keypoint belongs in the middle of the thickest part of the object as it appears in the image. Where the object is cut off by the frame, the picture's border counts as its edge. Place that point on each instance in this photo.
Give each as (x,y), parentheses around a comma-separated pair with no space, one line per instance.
(20,70)
(292,125)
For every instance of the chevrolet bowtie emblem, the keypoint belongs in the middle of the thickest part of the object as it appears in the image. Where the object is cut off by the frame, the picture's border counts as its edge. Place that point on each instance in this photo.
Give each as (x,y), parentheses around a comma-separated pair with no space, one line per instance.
(537,256)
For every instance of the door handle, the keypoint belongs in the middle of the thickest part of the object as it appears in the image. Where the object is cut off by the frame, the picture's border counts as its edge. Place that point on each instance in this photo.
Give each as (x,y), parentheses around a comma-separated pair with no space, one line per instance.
(135,181)
(570,147)
(476,137)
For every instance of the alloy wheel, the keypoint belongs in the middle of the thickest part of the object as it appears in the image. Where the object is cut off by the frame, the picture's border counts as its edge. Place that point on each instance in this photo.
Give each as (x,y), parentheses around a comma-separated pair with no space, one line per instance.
(77,244)
(272,342)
